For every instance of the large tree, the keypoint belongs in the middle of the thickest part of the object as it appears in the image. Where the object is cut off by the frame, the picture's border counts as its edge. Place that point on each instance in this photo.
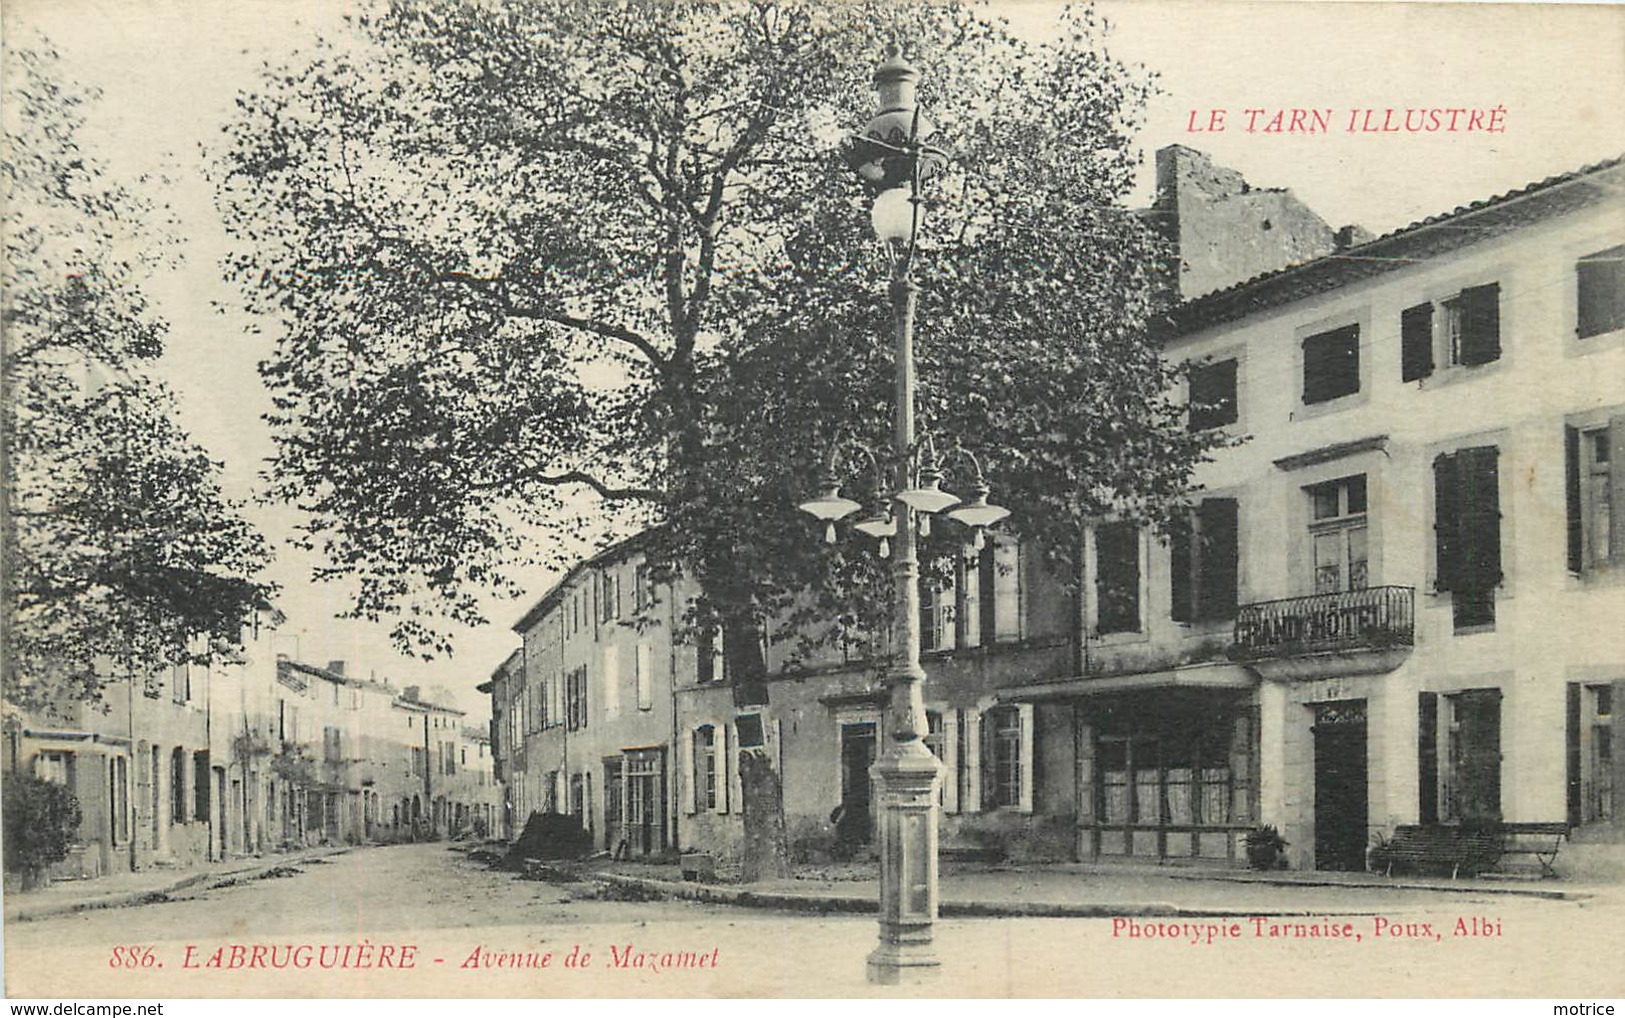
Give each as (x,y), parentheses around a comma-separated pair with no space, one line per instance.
(121,554)
(519,252)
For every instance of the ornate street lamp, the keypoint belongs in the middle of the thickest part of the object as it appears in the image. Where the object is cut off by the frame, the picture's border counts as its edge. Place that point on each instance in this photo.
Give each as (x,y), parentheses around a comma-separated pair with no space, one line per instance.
(894,156)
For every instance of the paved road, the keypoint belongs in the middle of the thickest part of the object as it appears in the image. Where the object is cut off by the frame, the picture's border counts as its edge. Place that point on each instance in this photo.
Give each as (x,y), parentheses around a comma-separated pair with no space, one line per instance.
(435,912)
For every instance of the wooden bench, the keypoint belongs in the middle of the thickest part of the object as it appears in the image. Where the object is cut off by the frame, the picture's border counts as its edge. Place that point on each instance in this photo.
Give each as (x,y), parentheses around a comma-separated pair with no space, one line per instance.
(1541,840)
(1439,849)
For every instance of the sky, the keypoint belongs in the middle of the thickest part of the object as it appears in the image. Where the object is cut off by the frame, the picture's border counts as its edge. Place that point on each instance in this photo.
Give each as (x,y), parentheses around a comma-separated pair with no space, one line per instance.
(170,70)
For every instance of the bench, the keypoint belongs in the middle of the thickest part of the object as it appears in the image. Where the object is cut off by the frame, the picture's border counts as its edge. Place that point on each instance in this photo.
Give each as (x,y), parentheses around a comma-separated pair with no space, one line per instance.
(1541,840)
(1438,850)
(1456,850)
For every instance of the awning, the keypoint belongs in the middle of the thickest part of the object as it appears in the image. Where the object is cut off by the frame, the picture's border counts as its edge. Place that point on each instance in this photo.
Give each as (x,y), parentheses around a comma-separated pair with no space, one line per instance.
(1213,675)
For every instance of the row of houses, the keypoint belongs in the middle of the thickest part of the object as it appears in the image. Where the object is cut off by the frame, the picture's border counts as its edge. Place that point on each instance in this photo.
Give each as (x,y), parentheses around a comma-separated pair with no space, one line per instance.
(266,753)
(1400,600)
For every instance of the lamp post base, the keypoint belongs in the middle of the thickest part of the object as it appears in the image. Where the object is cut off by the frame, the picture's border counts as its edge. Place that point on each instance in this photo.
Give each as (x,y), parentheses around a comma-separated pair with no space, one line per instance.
(906,779)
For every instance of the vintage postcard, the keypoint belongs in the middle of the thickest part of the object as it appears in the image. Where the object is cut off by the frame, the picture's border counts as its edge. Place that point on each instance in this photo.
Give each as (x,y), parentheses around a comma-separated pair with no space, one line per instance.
(786,498)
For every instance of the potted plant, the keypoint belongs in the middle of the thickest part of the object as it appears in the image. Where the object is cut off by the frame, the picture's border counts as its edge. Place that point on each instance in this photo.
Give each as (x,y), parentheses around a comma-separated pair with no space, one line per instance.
(1265,847)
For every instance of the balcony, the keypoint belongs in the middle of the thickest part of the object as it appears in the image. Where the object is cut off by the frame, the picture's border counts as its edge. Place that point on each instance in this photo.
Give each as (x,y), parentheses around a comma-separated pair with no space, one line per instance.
(1354,632)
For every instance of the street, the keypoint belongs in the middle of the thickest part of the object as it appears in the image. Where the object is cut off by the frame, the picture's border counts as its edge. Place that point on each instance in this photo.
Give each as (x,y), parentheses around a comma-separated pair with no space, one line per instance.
(422,920)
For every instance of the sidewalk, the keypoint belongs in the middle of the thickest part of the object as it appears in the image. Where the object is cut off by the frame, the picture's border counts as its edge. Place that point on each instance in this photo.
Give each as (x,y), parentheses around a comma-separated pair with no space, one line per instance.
(1086,890)
(121,889)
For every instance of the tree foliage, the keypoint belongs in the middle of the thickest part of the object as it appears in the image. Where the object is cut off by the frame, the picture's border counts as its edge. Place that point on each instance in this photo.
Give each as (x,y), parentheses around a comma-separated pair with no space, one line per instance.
(41,821)
(522,251)
(122,554)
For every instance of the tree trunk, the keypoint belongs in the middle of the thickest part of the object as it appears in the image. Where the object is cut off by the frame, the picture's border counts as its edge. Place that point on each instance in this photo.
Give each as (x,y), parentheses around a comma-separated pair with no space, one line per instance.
(766,853)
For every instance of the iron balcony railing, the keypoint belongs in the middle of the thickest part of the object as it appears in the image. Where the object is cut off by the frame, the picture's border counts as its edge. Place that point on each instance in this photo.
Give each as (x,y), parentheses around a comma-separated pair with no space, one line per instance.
(1373,618)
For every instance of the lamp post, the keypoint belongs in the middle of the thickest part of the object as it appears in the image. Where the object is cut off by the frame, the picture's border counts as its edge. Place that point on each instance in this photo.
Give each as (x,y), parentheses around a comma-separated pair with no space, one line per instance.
(893,156)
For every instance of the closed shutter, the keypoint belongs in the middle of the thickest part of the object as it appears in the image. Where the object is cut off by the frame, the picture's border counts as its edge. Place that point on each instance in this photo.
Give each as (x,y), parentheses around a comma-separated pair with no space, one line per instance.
(1480,506)
(728,770)
(1616,494)
(1028,761)
(1571,756)
(609,665)
(1480,324)
(1084,739)
(1574,513)
(1427,757)
(1182,592)
(1600,300)
(1220,554)
(987,594)
(1446,524)
(1416,342)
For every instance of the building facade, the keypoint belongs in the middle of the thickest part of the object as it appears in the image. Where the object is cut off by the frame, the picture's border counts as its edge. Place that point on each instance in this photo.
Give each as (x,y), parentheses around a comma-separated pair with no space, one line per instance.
(1396,601)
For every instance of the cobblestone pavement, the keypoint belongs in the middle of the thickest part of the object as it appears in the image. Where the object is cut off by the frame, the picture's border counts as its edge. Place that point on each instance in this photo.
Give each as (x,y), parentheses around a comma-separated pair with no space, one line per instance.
(455,928)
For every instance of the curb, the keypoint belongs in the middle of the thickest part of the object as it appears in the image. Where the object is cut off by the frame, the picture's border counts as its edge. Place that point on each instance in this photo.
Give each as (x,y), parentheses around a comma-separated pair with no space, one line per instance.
(823,903)
(123,899)
(1550,894)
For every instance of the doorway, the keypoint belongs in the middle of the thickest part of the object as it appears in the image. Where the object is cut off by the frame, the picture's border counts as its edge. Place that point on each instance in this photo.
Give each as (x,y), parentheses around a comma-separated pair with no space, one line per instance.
(1340,785)
(854,822)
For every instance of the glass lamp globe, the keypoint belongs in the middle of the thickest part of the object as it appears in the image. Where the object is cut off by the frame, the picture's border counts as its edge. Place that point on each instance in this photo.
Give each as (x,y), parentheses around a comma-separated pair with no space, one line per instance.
(893,215)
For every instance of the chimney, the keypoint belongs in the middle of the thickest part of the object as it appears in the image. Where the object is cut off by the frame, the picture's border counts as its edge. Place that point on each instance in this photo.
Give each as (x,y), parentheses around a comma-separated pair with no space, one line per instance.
(410,693)
(1350,236)
(336,667)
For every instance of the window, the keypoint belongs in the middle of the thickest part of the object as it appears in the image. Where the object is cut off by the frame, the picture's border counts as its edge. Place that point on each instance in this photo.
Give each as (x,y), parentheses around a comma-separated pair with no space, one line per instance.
(1331,364)
(575,694)
(118,798)
(55,766)
(1007,763)
(642,588)
(1117,577)
(332,744)
(1594,489)
(609,596)
(705,767)
(1600,279)
(181,683)
(1337,531)
(1213,395)
(609,670)
(1592,721)
(937,611)
(1467,533)
(1461,331)
(708,655)
(177,786)
(1460,742)
(1205,562)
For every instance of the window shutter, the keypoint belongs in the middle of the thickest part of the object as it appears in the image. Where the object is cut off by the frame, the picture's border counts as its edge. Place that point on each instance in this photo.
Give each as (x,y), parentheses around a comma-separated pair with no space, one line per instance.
(1007,590)
(1446,523)
(1600,297)
(1220,555)
(1416,342)
(1574,512)
(609,663)
(775,733)
(685,772)
(728,772)
(987,592)
(1616,494)
(1427,757)
(1571,745)
(1480,507)
(1025,712)
(1181,535)
(1480,324)
(973,763)
(1085,741)
(950,761)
